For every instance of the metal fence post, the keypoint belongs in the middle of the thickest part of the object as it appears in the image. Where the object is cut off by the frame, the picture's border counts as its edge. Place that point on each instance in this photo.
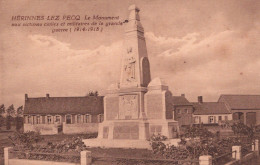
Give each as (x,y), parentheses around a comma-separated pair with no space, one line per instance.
(85,158)
(236,152)
(7,155)
(205,160)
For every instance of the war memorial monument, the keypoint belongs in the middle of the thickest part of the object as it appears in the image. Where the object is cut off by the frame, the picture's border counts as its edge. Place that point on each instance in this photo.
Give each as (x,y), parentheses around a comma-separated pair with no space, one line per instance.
(137,107)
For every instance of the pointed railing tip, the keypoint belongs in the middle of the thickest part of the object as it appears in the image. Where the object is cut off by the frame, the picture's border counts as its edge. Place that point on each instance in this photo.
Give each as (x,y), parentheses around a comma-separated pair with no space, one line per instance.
(133,7)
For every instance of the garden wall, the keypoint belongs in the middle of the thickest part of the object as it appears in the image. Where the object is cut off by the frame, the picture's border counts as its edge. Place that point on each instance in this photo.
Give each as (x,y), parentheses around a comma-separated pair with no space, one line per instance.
(44,129)
(80,128)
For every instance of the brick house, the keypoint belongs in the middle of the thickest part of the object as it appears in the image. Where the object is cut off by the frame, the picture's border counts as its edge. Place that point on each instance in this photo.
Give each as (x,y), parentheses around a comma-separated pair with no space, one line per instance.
(210,112)
(50,115)
(245,108)
(183,110)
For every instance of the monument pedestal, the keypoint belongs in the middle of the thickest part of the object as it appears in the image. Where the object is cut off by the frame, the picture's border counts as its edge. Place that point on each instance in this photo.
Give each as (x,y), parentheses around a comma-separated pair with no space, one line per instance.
(132,133)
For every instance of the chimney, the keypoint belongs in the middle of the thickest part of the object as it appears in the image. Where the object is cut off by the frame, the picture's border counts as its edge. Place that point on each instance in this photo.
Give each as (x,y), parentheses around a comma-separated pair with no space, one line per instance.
(26,97)
(183,95)
(200,99)
(47,95)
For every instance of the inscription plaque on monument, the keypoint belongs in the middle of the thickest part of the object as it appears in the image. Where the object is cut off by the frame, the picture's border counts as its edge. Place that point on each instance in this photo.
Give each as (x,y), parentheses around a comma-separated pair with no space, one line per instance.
(126,130)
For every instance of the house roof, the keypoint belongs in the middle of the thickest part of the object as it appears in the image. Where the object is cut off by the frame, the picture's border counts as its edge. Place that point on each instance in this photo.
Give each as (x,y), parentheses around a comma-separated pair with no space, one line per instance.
(241,101)
(180,100)
(64,105)
(210,108)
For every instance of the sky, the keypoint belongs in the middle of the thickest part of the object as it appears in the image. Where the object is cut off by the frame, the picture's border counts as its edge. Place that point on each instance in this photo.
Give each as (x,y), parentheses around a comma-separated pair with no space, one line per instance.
(199,48)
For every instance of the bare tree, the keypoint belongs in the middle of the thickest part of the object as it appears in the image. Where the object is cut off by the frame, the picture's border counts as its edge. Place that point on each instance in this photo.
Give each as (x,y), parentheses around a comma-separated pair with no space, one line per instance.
(2,112)
(10,113)
(19,118)
(2,109)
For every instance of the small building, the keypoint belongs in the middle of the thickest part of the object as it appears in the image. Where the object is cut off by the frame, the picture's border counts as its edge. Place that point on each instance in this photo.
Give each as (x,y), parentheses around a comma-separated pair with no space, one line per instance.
(245,108)
(50,115)
(210,112)
(183,110)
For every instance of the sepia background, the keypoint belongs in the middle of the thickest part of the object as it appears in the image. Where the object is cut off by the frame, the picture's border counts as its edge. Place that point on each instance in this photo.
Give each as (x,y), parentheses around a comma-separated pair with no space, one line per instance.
(198,47)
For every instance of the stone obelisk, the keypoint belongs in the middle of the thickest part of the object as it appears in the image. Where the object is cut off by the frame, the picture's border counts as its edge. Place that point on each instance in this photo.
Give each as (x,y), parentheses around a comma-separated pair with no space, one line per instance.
(135,69)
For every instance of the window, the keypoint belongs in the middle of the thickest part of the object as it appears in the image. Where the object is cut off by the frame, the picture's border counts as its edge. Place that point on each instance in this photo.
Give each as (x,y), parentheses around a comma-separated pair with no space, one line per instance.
(78,118)
(226,118)
(57,119)
(88,118)
(68,119)
(219,118)
(178,111)
(185,110)
(33,120)
(38,120)
(49,119)
(211,119)
(100,118)
(29,119)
